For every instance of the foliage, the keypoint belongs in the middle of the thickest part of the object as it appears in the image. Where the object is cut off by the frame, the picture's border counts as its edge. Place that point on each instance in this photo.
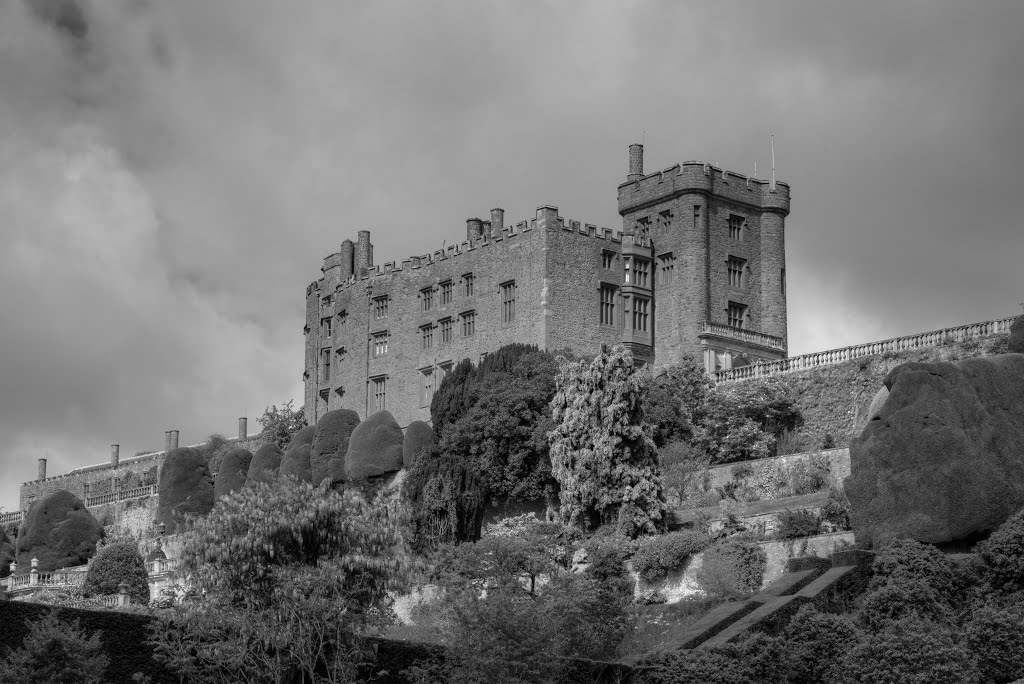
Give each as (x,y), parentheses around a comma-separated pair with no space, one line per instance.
(453,397)
(682,467)
(215,447)
(295,463)
(55,652)
(743,421)
(791,442)
(657,556)
(816,643)
(733,567)
(910,651)
(995,637)
(288,574)
(186,487)
(6,553)
(836,511)
(675,396)
(330,445)
(374,448)
(697,666)
(265,464)
(279,424)
(797,524)
(116,564)
(1002,556)
(908,562)
(418,442)
(447,497)
(232,473)
(810,475)
(606,563)
(59,531)
(602,452)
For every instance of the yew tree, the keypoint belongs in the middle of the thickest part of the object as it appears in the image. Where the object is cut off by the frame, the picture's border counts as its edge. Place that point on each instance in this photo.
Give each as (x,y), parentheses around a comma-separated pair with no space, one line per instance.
(602,448)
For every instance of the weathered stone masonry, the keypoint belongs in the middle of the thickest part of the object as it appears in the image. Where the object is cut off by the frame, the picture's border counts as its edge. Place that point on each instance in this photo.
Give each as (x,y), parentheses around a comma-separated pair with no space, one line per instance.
(698,269)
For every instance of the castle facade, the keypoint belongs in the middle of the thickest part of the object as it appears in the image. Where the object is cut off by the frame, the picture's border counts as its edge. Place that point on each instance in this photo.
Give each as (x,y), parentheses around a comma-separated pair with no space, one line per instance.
(697,269)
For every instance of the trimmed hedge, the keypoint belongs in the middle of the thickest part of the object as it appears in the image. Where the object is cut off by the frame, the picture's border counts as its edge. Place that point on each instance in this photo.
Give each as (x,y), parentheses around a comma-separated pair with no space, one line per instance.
(113,565)
(296,463)
(186,487)
(123,636)
(234,468)
(59,531)
(375,447)
(305,435)
(327,457)
(419,440)
(265,464)
(656,557)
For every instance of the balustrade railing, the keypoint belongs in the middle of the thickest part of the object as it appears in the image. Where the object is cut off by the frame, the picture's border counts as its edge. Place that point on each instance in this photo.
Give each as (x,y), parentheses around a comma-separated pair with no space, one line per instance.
(933,338)
(11,517)
(122,495)
(161,565)
(751,336)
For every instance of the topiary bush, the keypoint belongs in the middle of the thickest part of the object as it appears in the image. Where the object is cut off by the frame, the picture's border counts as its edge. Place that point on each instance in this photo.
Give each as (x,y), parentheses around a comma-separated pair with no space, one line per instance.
(330,444)
(295,463)
(419,440)
(233,470)
(6,553)
(185,488)
(797,524)
(657,556)
(1002,556)
(375,447)
(59,531)
(733,568)
(305,435)
(265,464)
(116,564)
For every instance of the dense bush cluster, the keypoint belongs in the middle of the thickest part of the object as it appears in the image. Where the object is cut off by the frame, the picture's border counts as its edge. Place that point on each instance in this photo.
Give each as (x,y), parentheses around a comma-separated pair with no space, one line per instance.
(732,568)
(659,555)
(117,564)
(59,531)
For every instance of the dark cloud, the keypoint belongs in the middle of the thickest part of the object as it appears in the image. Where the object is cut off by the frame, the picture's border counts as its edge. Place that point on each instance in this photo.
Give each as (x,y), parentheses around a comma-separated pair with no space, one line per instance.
(167,193)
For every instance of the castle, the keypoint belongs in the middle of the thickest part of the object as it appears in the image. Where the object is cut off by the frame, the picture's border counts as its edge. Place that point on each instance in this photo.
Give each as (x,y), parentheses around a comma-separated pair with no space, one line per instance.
(699,268)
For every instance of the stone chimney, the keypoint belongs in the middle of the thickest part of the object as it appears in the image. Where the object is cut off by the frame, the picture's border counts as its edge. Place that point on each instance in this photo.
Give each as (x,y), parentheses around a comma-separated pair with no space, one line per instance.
(167,441)
(115,455)
(497,222)
(474,228)
(174,439)
(42,469)
(636,162)
(364,253)
(243,428)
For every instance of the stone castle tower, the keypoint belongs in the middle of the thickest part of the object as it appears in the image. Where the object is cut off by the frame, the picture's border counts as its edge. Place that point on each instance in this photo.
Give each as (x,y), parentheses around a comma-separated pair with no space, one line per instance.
(697,269)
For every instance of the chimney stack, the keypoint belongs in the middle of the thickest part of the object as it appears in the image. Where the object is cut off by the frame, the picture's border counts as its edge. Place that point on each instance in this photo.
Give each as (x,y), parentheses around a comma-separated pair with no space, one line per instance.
(474,228)
(167,441)
(174,439)
(42,469)
(115,455)
(636,162)
(497,222)
(243,428)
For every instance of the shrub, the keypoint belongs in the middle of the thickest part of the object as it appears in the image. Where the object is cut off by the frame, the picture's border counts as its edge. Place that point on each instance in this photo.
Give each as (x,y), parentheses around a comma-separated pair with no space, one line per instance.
(733,568)
(375,447)
(56,652)
(791,442)
(186,487)
(303,436)
(836,511)
(265,464)
(295,463)
(447,498)
(417,444)
(1002,556)
(697,666)
(811,475)
(797,524)
(59,531)
(116,564)
(657,556)
(909,562)
(995,637)
(330,444)
(279,424)
(816,643)
(910,651)
(234,468)
(828,441)
(607,564)
(908,599)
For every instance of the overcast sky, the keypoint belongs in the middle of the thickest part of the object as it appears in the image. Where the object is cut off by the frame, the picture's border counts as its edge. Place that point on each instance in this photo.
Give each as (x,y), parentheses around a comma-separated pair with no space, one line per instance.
(173,172)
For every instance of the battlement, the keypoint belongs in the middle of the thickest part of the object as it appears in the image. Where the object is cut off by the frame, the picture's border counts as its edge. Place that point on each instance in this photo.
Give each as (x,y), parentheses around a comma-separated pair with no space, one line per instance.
(702,177)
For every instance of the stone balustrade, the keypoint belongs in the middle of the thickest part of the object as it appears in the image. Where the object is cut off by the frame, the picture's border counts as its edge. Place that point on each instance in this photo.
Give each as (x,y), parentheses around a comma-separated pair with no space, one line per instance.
(12,517)
(933,338)
(122,495)
(749,336)
(161,566)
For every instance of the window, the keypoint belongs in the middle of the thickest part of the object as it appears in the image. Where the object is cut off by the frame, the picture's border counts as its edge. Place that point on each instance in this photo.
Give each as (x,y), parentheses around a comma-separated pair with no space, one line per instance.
(325,327)
(508,301)
(380,343)
(737,272)
(666,268)
(427,336)
(625,263)
(380,307)
(342,322)
(468,323)
(446,293)
(641,272)
(325,364)
(641,310)
(444,369)
(427,298)
(696,214)
(467,284)
(643,225)
(736,315)
(607,304)
(736,227)
(325,303)
(446,331)
(782,281)
(378,392)
(426,386)
(607,258)
(665,219)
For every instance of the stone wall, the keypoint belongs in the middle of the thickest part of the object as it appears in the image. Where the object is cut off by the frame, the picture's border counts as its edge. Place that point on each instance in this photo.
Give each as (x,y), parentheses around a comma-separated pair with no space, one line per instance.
(135,516)
(838,460)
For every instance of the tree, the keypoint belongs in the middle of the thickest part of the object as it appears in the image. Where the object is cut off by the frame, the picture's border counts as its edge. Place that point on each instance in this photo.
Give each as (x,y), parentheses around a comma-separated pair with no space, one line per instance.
(602,452)
(55,652)
(289,574)
(279,424)
(676,395)
(117,564)
(447,498)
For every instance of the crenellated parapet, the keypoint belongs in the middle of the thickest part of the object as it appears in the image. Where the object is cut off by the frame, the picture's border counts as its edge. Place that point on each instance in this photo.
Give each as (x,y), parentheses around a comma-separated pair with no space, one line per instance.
(701,177)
